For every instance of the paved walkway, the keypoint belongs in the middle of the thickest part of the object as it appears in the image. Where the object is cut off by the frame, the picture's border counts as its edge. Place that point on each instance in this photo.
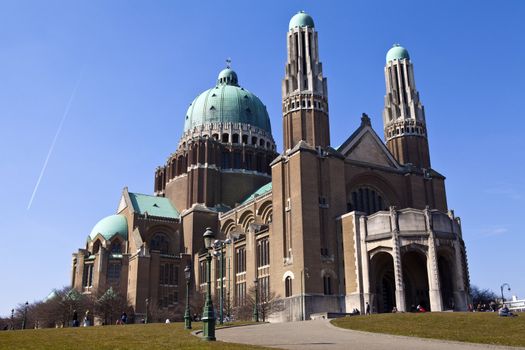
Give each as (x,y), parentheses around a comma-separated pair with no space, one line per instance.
(320,334)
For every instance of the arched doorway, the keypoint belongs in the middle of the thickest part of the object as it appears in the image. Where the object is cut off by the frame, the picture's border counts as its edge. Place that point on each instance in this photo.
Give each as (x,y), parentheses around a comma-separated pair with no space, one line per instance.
(382,282)
(446,281)
(415,279)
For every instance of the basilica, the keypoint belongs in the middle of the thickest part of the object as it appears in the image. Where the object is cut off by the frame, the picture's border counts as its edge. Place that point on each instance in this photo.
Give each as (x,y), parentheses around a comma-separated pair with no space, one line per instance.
(325,229)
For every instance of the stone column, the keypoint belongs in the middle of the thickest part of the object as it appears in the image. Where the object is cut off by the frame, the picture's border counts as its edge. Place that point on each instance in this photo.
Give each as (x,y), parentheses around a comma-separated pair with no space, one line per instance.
(398,268)
(364,288)
(460,297)
(436,301)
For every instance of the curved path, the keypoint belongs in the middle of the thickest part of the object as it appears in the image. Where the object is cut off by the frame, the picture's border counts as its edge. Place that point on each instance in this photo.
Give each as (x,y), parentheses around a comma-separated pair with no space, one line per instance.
(321,334)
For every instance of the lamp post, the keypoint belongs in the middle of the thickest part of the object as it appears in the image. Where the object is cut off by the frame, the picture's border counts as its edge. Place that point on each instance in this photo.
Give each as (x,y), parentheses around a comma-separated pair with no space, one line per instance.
(208,315)
(24,320)
(218,247)
(187,315)
(12,319)
(147,310)
(255,306)
(502,286)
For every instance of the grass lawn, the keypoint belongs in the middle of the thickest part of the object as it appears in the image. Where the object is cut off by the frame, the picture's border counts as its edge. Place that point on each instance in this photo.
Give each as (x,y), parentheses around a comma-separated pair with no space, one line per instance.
(475,327)
(137,336)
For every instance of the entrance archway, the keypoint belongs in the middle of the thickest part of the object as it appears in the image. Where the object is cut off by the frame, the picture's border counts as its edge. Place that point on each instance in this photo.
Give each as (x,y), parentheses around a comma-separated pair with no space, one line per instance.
(446,279)
(382,282)
(415,279)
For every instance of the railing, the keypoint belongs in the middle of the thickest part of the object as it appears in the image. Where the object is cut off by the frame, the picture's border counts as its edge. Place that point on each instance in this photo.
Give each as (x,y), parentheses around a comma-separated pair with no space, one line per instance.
(516,305)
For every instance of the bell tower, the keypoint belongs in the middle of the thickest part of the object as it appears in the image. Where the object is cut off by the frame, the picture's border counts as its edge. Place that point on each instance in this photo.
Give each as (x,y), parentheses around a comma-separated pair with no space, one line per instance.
(305,97)
(404,115)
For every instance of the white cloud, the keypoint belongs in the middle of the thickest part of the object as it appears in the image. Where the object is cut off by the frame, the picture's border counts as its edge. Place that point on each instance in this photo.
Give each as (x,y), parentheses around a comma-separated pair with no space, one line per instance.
(505,191)
(494,231)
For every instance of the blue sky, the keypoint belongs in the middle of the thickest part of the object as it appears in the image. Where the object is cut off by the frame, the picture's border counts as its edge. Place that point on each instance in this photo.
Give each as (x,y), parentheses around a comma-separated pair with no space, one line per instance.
(143,62)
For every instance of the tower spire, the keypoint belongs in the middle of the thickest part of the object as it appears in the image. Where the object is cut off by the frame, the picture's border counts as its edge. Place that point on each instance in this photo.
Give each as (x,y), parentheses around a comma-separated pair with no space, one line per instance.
(404,114)
(304,90)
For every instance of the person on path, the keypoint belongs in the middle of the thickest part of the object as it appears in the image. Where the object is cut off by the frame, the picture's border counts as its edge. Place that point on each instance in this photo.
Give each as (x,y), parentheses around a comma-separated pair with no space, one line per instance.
(367,308)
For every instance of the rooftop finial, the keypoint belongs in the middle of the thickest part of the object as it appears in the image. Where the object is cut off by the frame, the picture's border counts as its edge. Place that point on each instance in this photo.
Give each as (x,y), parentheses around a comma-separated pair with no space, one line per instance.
(365,120)
(228,63)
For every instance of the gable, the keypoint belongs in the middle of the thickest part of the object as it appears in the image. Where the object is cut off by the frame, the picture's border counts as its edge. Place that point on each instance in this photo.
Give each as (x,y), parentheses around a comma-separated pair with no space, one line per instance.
(122,204)
(365,146)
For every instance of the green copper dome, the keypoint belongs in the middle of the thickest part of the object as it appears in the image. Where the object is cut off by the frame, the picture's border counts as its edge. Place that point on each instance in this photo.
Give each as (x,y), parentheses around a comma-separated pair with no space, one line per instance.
(111,226)
(397,52)
(301,19)
(227,102)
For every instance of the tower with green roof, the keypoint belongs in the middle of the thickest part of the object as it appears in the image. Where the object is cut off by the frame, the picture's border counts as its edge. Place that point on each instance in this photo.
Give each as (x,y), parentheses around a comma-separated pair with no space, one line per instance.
(304,90)
(404,115)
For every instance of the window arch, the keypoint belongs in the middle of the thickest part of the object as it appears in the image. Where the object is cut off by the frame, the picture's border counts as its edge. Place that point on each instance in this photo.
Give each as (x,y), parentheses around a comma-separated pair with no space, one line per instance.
(288,286)
(116,247)
(327,284)
(366,199)
(96,246)
(160,242)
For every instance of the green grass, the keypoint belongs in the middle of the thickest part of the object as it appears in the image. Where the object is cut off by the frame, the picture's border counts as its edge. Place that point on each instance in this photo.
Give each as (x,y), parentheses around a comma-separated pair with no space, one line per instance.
(137,336)
(474,327)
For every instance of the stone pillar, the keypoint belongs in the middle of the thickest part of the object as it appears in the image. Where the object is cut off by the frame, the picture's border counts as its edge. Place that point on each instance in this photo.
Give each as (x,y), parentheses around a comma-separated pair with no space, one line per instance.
(361,233)
(398,267)
(460,297)
(436,301)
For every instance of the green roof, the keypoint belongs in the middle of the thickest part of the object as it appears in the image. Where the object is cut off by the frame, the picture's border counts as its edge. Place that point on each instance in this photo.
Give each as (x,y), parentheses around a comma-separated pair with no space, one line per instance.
(110,226)
(397,52)
(301,19)
(153,205)
(227,102)
(261,191)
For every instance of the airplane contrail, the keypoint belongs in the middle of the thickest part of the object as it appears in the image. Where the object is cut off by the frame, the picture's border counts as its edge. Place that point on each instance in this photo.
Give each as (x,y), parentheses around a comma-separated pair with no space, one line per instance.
(64,116)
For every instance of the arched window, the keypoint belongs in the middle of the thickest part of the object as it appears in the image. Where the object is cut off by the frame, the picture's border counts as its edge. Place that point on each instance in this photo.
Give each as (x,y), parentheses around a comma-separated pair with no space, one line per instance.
(288,286)
(367,200)
(237,160)
(161,243)
(226,160)
(225,138)
(327,283)
(235,138)
(245,139)
(116,247)
(96,246)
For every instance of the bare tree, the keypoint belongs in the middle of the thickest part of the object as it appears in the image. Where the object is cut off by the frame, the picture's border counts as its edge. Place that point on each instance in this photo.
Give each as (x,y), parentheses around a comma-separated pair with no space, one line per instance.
(268,303)
(108,306)
(482,296)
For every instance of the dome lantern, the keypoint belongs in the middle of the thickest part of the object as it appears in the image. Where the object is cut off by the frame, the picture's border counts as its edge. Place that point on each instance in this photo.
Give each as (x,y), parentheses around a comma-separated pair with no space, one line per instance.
(397,52)
(227,77)
(301,19)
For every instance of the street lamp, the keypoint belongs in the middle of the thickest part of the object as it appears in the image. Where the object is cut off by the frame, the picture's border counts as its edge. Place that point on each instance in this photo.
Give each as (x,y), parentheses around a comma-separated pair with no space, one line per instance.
(502,286)
(255,306)
(208,315)
(187,315)
(24,321)
(147,309)
(218,247)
